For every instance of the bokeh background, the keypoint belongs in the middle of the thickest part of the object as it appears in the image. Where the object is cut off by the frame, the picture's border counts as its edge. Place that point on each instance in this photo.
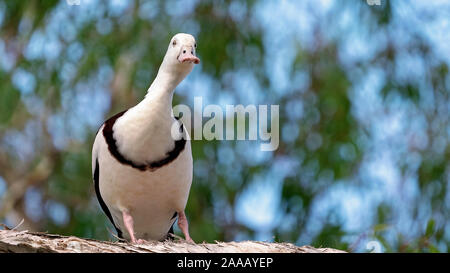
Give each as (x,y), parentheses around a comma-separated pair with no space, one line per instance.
(363,90)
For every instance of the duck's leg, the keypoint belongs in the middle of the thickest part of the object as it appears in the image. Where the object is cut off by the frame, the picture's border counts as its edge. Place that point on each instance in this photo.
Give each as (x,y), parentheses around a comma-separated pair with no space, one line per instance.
(184,226)
(129,225)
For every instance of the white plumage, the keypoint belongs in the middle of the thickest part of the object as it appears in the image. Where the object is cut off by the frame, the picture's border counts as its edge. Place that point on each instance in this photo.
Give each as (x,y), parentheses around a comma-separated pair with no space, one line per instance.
(142,173)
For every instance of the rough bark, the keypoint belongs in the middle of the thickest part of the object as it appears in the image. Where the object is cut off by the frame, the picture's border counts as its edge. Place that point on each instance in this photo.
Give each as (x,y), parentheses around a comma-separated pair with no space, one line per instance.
(25,241)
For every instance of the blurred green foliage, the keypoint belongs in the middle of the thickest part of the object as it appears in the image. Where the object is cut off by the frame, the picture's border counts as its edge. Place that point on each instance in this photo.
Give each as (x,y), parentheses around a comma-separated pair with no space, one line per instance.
(120,49)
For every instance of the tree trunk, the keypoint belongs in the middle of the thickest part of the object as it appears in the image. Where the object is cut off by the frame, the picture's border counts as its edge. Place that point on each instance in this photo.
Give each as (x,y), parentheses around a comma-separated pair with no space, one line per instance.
(25,241)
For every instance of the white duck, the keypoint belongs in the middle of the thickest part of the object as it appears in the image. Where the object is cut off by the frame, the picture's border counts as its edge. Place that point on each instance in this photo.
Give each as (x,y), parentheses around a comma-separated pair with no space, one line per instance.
(143,174)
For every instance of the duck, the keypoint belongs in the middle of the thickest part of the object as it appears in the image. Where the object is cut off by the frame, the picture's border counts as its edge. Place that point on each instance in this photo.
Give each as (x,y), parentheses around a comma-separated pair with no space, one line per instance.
(142,169)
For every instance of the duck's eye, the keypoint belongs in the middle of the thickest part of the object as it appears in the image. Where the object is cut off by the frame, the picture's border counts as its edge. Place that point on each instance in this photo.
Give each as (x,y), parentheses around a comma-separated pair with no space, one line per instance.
(174,43)
(195,45)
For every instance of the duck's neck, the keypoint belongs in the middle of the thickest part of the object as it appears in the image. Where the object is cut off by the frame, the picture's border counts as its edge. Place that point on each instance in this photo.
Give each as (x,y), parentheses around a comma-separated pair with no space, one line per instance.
(149,123)
(164,84)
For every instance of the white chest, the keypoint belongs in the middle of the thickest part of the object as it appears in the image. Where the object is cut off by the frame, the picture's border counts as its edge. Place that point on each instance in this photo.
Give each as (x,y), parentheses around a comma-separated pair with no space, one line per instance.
(151,197)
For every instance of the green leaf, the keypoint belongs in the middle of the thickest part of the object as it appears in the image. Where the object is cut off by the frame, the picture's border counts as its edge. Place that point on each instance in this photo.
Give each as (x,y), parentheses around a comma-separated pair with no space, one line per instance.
(430,228)
(380,227)
(9,99)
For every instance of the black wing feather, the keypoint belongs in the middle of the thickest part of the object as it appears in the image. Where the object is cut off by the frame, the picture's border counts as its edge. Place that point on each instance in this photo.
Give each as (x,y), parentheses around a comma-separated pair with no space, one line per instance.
(100,199)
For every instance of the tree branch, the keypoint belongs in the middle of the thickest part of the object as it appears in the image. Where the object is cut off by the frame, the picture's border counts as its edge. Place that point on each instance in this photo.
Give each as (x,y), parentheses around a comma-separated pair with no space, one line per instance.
(25,241)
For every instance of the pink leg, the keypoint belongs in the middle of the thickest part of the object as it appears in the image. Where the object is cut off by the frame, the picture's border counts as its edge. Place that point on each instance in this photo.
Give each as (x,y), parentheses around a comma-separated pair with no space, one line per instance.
(129,225)
(184,226)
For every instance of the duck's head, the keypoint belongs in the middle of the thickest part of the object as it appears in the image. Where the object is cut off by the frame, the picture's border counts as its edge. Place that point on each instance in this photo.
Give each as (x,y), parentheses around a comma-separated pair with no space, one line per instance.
(180,55)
